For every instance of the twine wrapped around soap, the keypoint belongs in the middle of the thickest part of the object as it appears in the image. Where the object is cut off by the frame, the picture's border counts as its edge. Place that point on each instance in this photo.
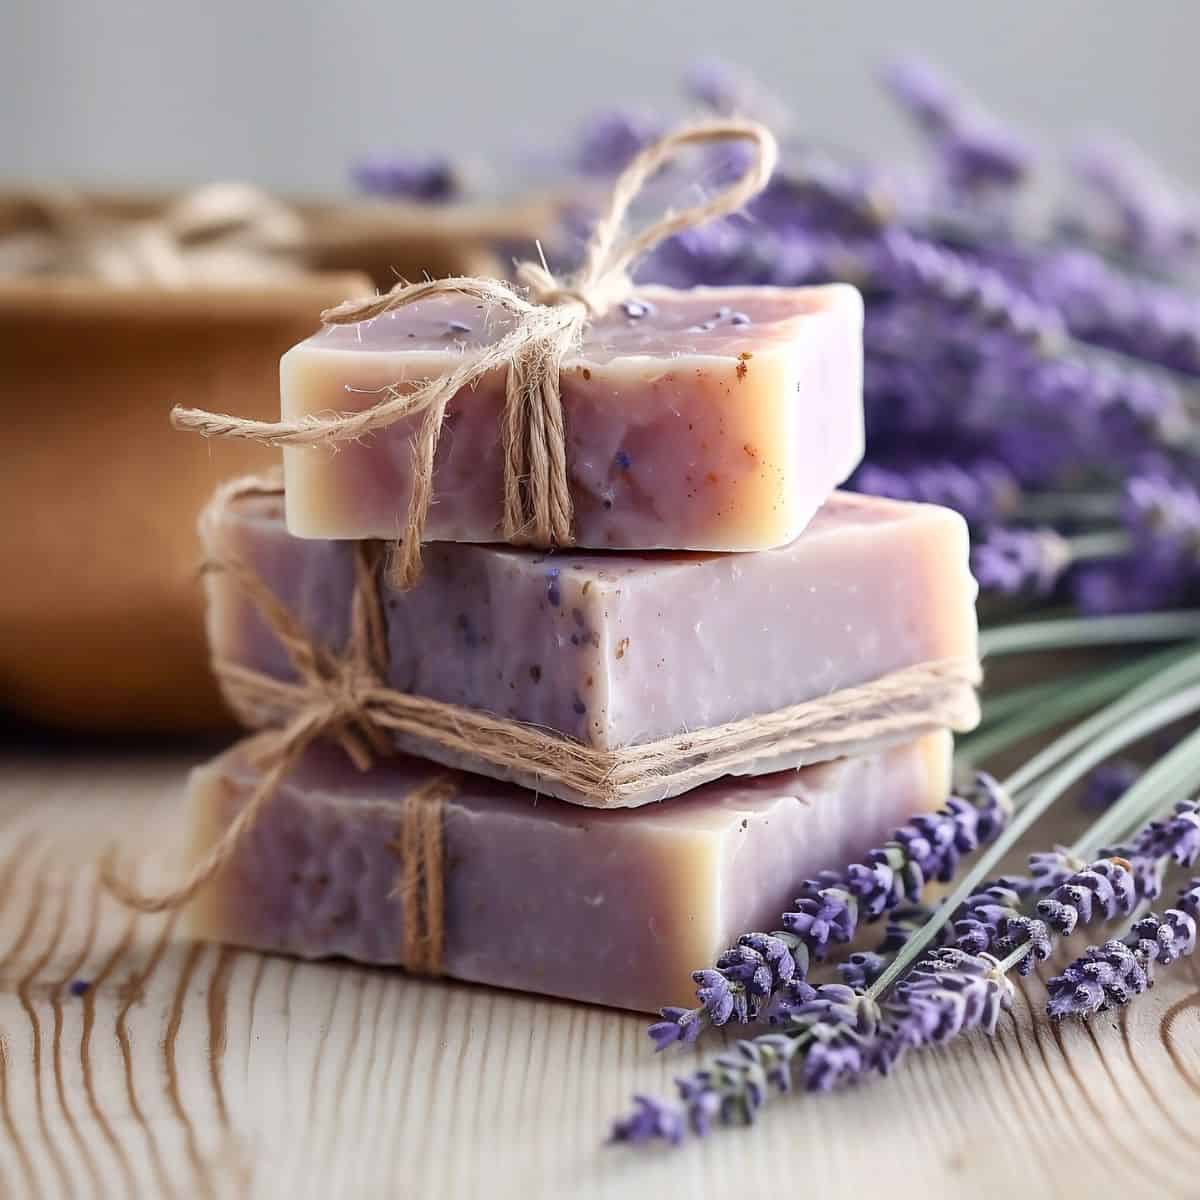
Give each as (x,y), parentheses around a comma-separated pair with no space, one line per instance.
(549,323)
(345,696)
(334,689)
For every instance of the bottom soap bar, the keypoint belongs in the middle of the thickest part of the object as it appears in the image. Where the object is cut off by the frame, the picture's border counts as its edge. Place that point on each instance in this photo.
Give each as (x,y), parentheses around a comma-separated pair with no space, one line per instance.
(614,907)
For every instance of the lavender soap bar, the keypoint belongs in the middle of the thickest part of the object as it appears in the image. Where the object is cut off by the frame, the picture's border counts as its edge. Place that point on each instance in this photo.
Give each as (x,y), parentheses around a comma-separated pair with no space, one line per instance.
(619,650)
(711,419)
(613,908)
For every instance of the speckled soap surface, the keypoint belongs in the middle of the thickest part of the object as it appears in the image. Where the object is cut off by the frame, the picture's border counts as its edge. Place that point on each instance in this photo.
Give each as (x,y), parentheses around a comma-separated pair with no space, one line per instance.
(708,419)
(610,907)
(618,649)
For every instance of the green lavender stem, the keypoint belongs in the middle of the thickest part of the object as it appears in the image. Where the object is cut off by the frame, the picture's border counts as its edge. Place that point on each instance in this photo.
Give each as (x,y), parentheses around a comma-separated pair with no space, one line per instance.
(1104,543)
(1071,632)
(1051,508)
(1030,710)
(1019,700)
(1137,726)
(1163,684)
(1174,774)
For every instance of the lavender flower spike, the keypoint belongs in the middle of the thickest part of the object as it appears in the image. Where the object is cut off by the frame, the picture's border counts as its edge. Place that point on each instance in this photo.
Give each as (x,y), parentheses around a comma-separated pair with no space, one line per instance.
(948,992)
(1102,891)
(823,1038)
(829,910)
(1110,975)
(649,1120)
(1011,561)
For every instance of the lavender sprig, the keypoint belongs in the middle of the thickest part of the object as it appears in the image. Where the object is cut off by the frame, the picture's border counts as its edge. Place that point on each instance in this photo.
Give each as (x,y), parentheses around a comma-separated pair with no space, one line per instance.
(1175,838)
(947,993)
(432,179)
(1013,561)
(1110,975)
(830,909)
(825,1039)
(993,920)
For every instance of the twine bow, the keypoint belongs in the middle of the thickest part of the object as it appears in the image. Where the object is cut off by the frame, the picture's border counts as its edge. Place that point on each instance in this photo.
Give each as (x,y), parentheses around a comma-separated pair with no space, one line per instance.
(548,323)
(332,697)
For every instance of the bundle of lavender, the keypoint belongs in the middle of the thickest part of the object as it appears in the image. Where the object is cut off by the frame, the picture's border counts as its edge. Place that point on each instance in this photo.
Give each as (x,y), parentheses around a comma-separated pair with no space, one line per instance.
(944,970)
(1038,376)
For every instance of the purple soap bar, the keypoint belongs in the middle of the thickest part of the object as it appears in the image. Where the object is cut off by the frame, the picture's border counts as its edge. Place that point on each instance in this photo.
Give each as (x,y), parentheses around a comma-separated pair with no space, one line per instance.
(614,908)
(712,419)
(617,650)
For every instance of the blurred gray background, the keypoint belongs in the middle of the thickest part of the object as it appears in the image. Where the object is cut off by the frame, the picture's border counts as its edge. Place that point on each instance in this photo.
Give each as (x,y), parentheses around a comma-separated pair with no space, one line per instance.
(286,92)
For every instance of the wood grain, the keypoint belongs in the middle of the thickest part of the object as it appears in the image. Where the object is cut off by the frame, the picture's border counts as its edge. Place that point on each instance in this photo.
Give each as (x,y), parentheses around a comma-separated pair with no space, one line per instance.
(197,1071)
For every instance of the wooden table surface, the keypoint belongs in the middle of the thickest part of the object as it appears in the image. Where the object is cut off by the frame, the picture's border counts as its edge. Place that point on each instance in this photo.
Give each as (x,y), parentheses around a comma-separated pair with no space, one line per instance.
(190,1070)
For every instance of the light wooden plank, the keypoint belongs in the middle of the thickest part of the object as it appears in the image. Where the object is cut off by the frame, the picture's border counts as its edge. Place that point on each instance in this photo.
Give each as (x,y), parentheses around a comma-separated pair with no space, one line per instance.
(200,1071)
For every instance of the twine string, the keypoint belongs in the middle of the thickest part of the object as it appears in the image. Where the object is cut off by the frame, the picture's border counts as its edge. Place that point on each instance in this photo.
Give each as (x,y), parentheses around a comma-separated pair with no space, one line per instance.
(548,322)
(346,696)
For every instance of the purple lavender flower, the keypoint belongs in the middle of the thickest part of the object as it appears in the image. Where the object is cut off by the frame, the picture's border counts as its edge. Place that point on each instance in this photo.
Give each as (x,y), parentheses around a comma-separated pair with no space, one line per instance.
(948,992)
(1119,586)
(1049,868)
(1163,939)
(982,916)
(819,194)
(982,491)
(980,153)
(823,917)
(1110,975)
(914,264)
(682,1025)
(1149,218)
(822,1038)
(925,93)
(1163,516)
(1104,977)
(977,156)
(429,180)
(730,91)
(1103,305)
(743,981)
(650,1120)
(929,847)
(1102,891)
(611,139)
(1108,782)
(1174,838)
(993,919)
(1012,561)
(861,969)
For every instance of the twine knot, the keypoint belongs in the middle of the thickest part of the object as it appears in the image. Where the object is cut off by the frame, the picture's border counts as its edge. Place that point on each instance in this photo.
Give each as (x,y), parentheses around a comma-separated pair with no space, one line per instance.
(548,324)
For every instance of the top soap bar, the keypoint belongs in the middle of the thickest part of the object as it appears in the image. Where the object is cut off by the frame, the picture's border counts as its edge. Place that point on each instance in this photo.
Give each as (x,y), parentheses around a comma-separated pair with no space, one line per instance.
(709,419)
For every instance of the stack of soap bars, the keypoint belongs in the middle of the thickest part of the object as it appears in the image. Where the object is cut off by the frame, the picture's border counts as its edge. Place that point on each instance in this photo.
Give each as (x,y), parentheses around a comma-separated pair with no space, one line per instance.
(585,771)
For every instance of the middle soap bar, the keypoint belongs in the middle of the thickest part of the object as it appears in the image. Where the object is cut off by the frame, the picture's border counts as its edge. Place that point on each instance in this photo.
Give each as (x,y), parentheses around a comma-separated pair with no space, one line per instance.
(618,650)
(711,419)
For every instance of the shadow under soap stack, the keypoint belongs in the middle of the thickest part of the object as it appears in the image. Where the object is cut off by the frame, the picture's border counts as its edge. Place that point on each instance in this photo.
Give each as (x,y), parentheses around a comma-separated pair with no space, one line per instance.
(580,771)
